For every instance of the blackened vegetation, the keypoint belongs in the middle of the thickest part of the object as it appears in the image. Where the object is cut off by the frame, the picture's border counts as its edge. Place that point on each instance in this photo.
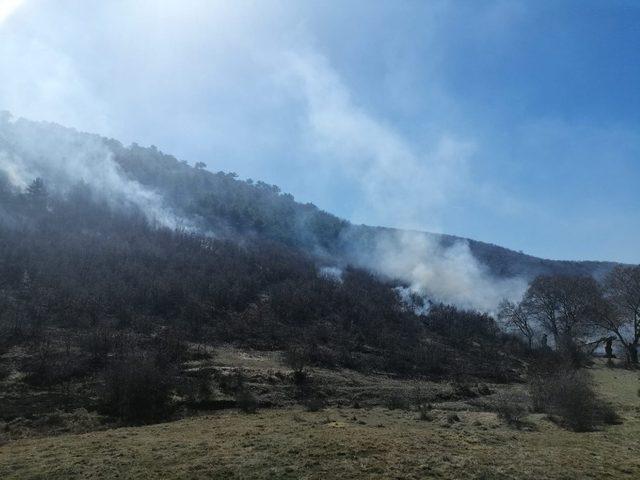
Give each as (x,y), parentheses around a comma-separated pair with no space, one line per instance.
(102,310)
(104,306)
(231,206)
(570,399)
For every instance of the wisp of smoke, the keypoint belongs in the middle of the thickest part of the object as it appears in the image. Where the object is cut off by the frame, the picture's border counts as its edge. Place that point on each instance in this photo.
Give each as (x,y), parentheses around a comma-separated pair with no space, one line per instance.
(65,158)
(331,273)
(442,274)
(399,180)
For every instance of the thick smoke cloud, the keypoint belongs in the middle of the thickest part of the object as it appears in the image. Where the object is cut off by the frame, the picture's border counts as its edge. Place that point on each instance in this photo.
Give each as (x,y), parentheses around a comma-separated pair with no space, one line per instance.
(65,158)
(441,274)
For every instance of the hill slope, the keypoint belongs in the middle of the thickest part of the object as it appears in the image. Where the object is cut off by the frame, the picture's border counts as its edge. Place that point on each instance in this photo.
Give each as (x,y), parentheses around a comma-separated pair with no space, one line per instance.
(174,194)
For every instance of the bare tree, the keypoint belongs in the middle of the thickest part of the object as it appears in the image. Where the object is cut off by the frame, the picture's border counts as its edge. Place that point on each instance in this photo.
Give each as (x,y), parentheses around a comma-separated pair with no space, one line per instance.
(622,290)
(563,305)
(517,317)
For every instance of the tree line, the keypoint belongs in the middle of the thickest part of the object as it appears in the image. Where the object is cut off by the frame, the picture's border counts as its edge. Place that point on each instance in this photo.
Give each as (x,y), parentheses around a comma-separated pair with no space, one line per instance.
(107,306)
(577,312)
(71,262)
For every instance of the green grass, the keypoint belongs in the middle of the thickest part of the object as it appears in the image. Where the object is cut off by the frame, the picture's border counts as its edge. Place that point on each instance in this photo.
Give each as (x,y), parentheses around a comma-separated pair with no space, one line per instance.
(345,444)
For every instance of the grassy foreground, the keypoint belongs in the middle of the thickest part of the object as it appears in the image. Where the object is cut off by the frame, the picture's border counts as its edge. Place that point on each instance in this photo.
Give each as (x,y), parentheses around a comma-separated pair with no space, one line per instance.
(343,443)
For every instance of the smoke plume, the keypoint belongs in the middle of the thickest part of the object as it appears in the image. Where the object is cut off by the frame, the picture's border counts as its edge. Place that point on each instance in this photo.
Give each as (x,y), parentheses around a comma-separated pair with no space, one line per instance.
(402,182)
(65,158)
(447,274)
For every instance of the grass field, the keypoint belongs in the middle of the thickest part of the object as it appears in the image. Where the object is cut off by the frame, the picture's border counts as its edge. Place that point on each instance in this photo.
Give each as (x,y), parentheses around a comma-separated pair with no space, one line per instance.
(344,443)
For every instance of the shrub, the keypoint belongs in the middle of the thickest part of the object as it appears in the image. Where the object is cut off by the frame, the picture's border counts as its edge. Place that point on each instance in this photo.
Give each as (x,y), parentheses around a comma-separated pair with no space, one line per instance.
(98,343)
(314,404)
(168,348)
(81,421)
(510,409)
(297,358)
(52,370)
(539,394)
(483,389)
(137,390)
(463,390)
(572,354)
(420,400)
(300,378)
(424,411)
(609,416)
(5,371)
(407,359)
(452,418)
(246,401)
(198,387)
(397,400)
(570,399)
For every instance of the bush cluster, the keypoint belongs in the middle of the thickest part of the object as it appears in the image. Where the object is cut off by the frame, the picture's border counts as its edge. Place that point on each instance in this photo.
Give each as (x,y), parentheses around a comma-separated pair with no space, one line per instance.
(136,389)
(570,398)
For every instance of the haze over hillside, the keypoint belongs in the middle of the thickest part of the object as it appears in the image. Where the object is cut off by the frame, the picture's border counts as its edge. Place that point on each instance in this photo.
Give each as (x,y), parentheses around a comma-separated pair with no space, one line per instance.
(173,194)
(321,239)
(453,117)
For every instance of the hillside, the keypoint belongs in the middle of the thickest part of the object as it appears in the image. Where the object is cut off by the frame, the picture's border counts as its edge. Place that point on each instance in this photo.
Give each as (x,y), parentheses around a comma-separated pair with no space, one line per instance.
(179,195)
(100,272)
(505,262)
(136,289)
(452,294)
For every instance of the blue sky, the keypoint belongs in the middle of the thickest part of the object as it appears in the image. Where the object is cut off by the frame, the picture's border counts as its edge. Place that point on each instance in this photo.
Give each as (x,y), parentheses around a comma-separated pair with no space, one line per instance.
(513,122)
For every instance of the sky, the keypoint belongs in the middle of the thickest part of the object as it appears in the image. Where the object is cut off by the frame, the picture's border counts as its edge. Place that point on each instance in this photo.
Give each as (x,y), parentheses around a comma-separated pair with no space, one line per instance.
(511,122)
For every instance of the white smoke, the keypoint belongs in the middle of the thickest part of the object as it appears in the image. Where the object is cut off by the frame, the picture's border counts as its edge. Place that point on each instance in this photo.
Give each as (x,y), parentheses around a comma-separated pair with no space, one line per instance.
(64,158)
(408,299)
(331,273)
(402,183)
(443,274)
